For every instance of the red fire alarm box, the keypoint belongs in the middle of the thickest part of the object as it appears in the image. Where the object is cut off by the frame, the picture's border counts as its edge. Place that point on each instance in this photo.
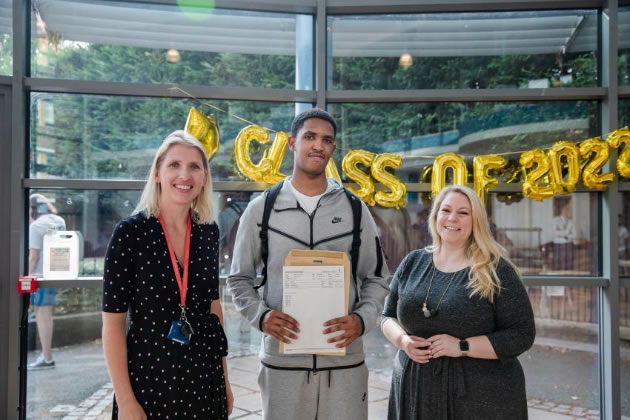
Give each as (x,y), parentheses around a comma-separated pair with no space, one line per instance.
(27,284)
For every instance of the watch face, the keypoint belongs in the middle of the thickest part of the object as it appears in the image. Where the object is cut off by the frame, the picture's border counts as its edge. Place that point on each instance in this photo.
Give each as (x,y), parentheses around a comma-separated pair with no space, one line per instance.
(463,345)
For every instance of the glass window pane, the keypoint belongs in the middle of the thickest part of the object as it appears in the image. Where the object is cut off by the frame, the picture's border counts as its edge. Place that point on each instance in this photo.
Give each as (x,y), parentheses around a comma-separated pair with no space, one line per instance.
(90,136)
(529,49)
(79,382)
(555,237)
(623,40)
(624,112)
(530,239)
(6,37)
(94,213)
(624,235)
(418,129)
(152,43)
(561,369)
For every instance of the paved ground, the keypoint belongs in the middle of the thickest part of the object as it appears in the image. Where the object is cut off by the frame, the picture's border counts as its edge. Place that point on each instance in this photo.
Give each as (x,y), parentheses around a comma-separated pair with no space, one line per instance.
(562,383)
(561,371)
(81,397)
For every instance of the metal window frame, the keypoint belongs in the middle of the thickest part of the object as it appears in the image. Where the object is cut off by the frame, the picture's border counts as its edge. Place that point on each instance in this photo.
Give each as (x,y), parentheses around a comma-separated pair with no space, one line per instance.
(609,340)
(396,6)
(346,7)
(21,85)
(7,353)
(90,87)
(15,406)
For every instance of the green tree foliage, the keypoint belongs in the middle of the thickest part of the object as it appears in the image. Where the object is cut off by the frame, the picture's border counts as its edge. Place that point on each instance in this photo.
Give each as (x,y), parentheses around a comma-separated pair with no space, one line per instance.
(396,127)
(104,136)
(97,136)
(6,54)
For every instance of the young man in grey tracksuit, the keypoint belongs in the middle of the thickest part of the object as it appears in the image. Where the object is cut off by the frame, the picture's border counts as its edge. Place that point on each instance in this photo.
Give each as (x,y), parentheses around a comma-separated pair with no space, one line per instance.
(310,212)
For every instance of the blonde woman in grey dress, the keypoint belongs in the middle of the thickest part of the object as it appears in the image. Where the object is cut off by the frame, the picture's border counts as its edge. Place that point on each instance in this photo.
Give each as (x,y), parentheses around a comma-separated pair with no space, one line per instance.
(459,314)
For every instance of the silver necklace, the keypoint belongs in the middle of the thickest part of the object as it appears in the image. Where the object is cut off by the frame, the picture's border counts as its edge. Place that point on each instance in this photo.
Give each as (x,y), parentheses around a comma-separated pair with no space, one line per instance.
(425,310)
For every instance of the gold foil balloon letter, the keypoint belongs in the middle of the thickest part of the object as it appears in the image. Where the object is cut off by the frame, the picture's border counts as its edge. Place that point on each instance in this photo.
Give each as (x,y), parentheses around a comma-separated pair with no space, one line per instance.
(438,175)
(481,166)
(398,195)
(349,167)
(205,129)
(275,154)
(591,174)
(531,185)
(571,153)
(268,169)
(623,161)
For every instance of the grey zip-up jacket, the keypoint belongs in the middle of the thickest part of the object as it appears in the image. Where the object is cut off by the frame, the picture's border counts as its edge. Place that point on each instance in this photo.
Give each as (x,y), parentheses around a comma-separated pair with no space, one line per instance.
(329,227)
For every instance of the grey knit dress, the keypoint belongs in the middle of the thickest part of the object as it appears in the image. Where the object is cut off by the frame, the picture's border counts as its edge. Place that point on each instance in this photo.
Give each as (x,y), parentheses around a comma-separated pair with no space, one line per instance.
(459,388)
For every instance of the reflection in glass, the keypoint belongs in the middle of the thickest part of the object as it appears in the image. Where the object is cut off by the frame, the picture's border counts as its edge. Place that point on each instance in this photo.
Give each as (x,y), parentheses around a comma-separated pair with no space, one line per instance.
(173,44)
(94,213)
(524,227)
(623,231)
(89,136)
(6,37)
(231,207)
(417,130)
(624,112)
(555,237)
(561,369)
(528,49)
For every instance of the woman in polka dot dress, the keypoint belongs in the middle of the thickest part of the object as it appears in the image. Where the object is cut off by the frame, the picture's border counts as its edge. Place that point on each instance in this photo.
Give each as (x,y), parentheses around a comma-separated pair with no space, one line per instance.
(169,360)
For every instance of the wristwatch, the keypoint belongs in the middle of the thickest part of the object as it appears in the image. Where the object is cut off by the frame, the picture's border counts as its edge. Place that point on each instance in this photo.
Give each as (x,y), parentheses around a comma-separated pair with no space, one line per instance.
(464,347)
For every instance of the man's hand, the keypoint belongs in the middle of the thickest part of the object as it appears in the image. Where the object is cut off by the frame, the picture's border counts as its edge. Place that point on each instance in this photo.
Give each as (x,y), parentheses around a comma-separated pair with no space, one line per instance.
(350,325)
(280,326)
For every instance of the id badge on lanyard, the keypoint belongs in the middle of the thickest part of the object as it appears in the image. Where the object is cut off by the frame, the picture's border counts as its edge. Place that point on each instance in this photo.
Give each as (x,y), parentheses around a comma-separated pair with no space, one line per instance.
(181,331)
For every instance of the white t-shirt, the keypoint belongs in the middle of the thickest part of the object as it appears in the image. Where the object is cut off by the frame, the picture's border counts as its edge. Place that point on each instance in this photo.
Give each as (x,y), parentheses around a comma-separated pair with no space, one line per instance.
(308,203)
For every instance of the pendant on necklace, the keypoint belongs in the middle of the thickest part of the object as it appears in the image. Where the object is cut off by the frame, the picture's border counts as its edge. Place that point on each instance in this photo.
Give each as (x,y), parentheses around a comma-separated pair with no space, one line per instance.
(426,311)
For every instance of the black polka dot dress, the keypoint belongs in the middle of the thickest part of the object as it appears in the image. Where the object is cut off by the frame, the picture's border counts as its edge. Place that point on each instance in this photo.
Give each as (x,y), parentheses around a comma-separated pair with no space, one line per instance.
(170,380)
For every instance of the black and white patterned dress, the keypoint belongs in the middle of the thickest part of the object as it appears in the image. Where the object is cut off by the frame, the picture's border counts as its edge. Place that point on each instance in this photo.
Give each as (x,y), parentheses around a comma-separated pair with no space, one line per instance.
(169,380)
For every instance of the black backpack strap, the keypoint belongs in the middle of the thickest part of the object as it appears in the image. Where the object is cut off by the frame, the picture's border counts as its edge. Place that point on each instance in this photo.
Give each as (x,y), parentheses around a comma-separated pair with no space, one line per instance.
(272,194)
(355,203)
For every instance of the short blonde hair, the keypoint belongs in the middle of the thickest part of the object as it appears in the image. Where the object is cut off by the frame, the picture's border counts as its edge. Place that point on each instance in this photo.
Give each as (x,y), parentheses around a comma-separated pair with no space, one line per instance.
(482,249)
(202,205)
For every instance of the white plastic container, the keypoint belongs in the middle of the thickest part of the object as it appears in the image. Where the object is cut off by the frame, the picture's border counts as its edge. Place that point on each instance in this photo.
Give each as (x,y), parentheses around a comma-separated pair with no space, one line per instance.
(63,250)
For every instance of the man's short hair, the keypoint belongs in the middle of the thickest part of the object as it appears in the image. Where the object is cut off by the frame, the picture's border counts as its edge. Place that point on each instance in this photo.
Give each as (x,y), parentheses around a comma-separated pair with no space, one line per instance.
(300,119)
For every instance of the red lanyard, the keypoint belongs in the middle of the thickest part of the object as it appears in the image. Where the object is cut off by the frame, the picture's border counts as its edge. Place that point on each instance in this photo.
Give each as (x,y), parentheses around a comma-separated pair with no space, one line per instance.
(181,283)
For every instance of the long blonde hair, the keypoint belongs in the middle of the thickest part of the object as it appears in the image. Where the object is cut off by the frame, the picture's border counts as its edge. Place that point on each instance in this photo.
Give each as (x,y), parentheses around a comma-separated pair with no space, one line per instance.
(202,205)
(482,249)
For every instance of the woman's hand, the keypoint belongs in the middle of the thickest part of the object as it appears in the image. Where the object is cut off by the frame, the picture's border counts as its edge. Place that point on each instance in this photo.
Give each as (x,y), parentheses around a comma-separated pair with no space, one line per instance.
(416,348)
(131,411)
(444,345)
(230,397)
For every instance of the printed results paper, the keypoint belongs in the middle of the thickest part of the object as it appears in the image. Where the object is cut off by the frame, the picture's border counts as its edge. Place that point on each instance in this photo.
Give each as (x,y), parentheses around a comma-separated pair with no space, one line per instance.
(313,295)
